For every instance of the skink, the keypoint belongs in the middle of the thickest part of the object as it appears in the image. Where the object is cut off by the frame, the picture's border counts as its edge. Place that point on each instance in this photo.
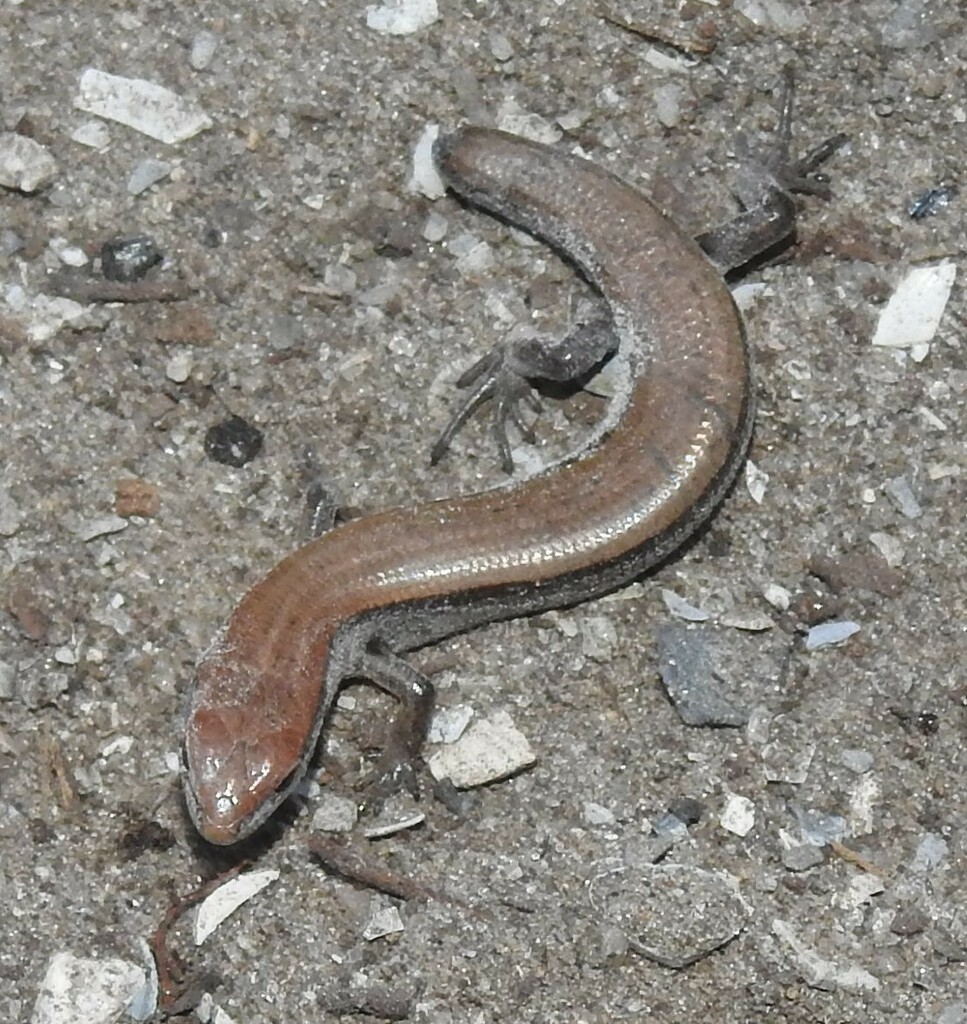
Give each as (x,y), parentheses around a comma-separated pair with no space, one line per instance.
(349,602)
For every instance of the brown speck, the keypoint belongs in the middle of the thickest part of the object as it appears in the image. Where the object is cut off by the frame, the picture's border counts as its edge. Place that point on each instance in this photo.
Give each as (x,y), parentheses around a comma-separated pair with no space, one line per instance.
(188,325)
(858,572)
(33,621)
(136,498)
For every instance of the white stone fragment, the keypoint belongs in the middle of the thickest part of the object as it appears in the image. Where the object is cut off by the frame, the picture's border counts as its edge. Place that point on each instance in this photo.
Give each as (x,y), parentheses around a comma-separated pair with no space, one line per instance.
(913,313)
(492,748)
(777,596)
(83,990)
(682,609)
(144,106)
(24,164)
(179,367)
(93,134)
(755,481)
(203,47)
(747,295)
(666,62)
(225,900)
(402,17)
(435,228)
(382,921)
(44,315)
(69,255)
(90,529)
(596,814)
(862,803)
(501,47)
(476,260)
(738,815)
(782,762)
(826,634)
(571,120)
(511,117)
(11,517)
(449,724)
(144,1003)
(145,174)
(930,853)
(425,178)
(901,494)
(784,18)
(889,547)
(935,471)
(119,745)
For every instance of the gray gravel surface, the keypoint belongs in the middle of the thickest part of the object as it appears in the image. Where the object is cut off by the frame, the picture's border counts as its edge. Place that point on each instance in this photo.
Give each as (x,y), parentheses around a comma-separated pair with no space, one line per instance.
(318,311)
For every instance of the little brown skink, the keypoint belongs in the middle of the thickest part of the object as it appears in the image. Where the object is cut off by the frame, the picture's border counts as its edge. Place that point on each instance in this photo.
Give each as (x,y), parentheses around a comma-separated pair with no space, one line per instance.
(661,460)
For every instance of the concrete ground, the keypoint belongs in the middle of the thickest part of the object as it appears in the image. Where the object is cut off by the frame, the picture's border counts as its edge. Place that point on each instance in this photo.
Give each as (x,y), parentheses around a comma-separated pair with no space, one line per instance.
(816,857)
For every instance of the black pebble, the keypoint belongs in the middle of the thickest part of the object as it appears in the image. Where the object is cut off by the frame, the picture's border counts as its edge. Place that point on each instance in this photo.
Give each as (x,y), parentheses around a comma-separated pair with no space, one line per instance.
(129,259)
(233,442)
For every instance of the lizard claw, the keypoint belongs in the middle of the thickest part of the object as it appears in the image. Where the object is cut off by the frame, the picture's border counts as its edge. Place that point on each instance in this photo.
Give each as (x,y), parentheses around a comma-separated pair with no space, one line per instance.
(492,378)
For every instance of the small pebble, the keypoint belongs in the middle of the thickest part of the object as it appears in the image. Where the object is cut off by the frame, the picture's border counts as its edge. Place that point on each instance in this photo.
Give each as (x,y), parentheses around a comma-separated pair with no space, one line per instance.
(491,749)
(670,826)
(94,134)
(179,367)
(10,242)
(595,814)
(69,255)
(682,609)
(449,724)
(435,228)
(402,17)
(93,528)
(858,761)
(203,47)
(334,814)
(233,442)
(900,493)
(910,921)
(802,857)
(85,990)
(826,634)
(756,481)
(145,174)
(738,815)
(691,681)
(24,164)
(890,548)
(129,259)
(339,280)
(501,47)
(777,596)
(668,104)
